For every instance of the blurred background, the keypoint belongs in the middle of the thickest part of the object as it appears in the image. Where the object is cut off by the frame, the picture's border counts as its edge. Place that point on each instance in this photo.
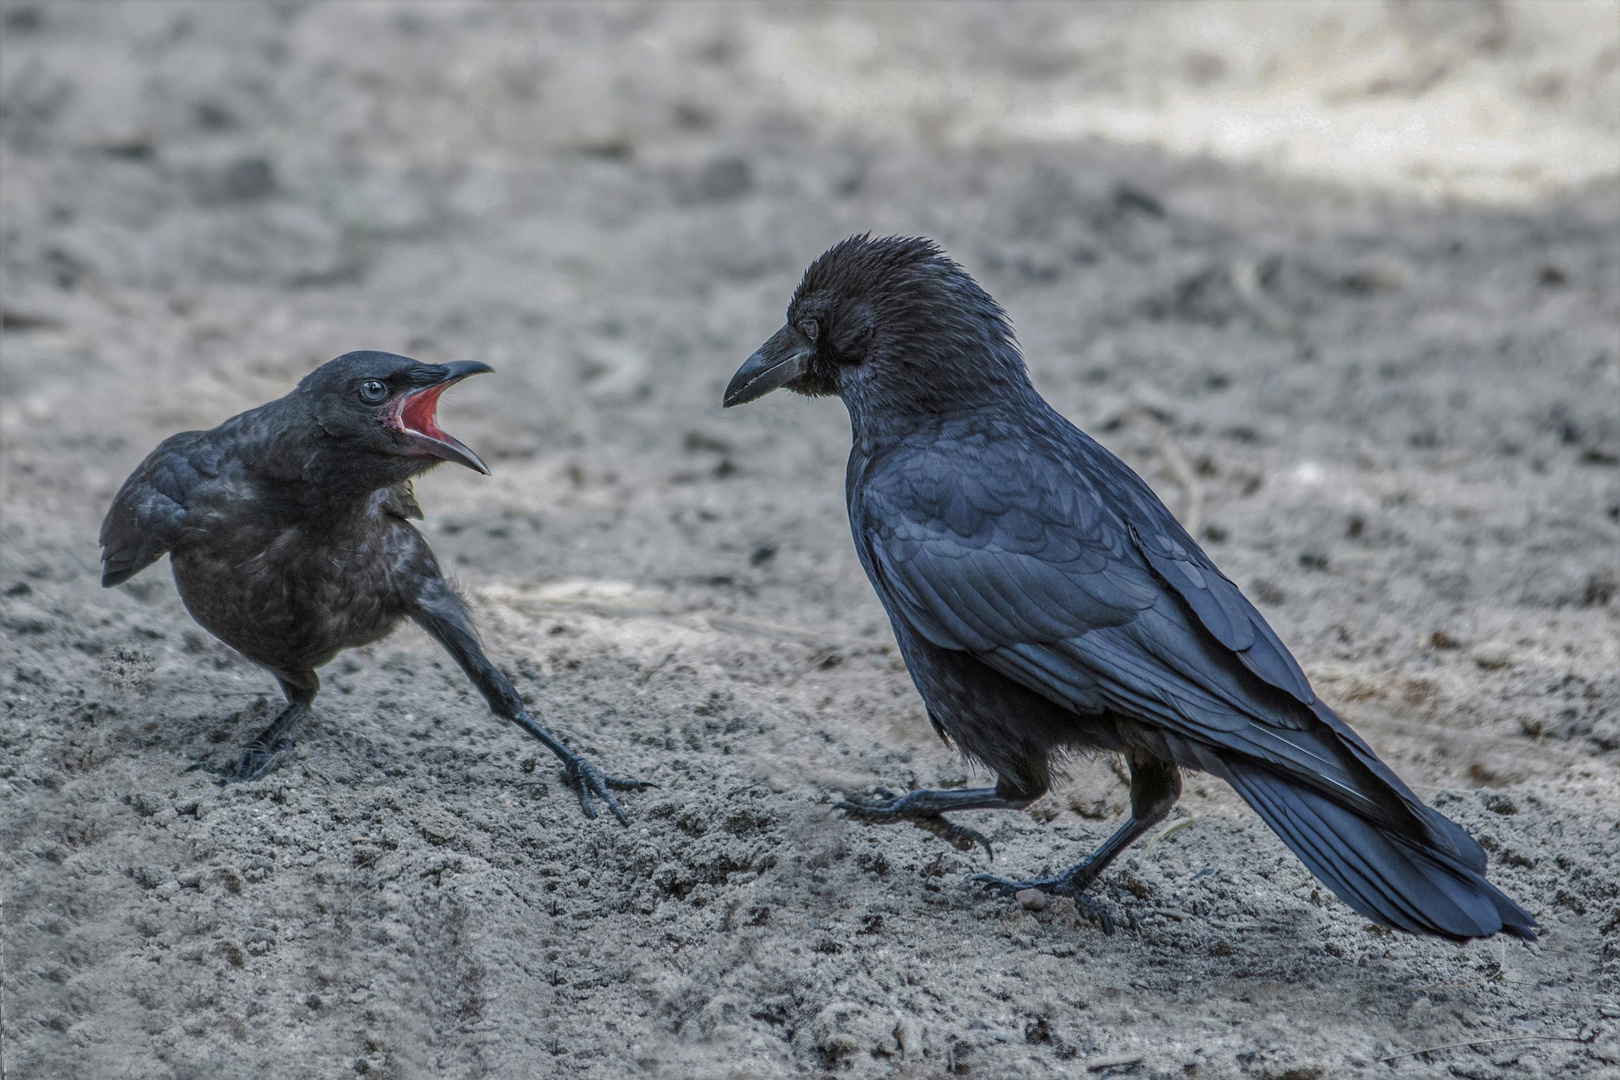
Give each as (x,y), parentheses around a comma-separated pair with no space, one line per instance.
(560,167)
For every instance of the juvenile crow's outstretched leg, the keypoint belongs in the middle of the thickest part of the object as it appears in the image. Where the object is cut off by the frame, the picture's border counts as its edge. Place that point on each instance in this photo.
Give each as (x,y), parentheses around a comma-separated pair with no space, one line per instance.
(274,742)
(1155,787)
(925,808)
(439,611)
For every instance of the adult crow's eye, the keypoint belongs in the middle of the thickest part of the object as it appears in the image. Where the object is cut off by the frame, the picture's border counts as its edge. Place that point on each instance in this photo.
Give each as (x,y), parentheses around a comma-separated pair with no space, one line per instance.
(372,391)
(810,330)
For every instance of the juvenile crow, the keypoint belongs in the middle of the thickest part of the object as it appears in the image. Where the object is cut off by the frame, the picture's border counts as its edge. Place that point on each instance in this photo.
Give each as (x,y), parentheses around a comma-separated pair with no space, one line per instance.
(1045,600)
(287,530)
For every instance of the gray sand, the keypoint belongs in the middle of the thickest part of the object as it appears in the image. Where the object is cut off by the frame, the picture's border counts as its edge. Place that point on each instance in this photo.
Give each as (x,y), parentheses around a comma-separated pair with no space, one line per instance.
(1395,424)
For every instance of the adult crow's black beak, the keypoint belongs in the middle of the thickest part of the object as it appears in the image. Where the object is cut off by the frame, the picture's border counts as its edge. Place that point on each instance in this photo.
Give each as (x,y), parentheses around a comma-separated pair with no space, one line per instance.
(776,363)
(418,413)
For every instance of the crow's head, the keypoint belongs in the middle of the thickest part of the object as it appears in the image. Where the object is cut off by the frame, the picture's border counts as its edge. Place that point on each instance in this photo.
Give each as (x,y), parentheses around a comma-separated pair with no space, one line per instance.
(381,404)
(891,325)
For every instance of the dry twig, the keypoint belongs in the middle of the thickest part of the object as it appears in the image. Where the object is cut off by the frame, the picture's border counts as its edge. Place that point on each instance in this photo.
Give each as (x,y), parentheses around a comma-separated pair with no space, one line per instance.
(1482,1042)
(1176,463)
(1174,826)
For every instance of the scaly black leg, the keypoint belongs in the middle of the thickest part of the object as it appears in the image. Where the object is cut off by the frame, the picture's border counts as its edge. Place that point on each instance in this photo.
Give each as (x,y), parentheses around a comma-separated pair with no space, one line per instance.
(925,809)
(1155,787)
(271,745)
(440,612)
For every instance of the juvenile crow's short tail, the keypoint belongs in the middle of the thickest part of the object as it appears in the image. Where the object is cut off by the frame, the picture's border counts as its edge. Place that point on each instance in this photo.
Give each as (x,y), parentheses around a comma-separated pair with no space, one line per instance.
(1390,879)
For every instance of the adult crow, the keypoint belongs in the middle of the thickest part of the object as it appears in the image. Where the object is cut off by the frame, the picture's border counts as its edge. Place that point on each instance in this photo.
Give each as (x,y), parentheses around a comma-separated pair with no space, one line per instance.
(287,531)
(1046,601)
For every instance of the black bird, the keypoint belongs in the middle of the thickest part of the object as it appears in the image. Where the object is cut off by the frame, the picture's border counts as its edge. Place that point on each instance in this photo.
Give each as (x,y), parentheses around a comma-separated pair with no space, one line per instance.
(287,530)
(1046,601)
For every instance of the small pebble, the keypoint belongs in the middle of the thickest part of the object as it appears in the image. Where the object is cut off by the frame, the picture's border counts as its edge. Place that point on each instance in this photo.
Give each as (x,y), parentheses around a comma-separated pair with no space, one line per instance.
(1032,899)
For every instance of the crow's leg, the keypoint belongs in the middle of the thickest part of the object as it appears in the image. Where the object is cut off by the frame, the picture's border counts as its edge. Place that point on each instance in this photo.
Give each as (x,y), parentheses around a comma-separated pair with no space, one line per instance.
(925,809)
(272,744)
(1155,787)
(441,614)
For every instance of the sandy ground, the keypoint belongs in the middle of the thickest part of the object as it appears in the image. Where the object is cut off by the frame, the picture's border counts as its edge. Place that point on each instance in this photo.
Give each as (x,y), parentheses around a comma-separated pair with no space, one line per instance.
(1392,419)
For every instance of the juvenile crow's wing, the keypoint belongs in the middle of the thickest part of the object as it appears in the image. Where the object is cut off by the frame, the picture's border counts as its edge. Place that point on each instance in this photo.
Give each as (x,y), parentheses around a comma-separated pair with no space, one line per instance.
(400,501)
(150,509)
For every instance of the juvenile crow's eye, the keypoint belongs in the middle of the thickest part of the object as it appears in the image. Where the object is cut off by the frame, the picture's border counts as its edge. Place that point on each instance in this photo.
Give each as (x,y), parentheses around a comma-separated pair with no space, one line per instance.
(810,330)
(372,391)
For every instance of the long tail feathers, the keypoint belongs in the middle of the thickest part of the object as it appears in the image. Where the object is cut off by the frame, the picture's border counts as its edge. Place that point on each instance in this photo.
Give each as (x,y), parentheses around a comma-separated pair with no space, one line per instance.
(1388,878)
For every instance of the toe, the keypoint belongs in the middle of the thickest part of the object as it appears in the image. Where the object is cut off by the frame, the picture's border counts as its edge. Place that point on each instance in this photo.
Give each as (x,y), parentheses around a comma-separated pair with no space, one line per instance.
(999,886)
(1099,914)
(601,789)
(958,836)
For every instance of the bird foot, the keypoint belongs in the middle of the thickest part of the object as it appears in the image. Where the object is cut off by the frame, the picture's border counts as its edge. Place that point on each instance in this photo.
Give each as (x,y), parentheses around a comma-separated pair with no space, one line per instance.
(917,807)
(1071,884)
(590,783)
(257,760)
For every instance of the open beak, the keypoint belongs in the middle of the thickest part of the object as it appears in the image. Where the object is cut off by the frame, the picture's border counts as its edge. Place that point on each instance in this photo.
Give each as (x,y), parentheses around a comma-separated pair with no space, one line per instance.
(776,363)
(418,414)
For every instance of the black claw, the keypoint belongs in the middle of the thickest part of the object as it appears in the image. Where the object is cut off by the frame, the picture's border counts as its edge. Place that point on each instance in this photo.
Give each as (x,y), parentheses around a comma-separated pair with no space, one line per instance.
(588,781)
(1099,913)
(892,809)
(960,837)
(256,761)
(1001,886)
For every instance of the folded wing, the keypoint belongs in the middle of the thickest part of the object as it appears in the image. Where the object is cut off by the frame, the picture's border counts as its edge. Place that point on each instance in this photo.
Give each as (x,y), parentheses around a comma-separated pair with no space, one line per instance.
(150,509)
(1064,573)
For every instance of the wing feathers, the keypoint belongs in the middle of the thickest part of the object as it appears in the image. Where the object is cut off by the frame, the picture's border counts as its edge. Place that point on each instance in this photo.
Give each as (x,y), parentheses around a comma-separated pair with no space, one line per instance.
(150,509)
(1383,876)
(1049,581)
(1140,623)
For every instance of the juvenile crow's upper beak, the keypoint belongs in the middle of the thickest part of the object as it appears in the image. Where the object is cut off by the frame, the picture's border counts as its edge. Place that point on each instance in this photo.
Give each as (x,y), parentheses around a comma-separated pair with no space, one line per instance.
(776,363)
(460,369)
(417,414)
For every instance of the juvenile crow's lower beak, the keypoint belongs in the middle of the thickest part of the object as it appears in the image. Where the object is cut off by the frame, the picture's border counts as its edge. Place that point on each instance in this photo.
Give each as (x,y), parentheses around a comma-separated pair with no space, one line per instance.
(776,363)
(418,416)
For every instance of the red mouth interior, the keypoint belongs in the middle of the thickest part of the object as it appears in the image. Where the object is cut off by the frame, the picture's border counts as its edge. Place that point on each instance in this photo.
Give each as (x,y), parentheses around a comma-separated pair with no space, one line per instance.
(418,414)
